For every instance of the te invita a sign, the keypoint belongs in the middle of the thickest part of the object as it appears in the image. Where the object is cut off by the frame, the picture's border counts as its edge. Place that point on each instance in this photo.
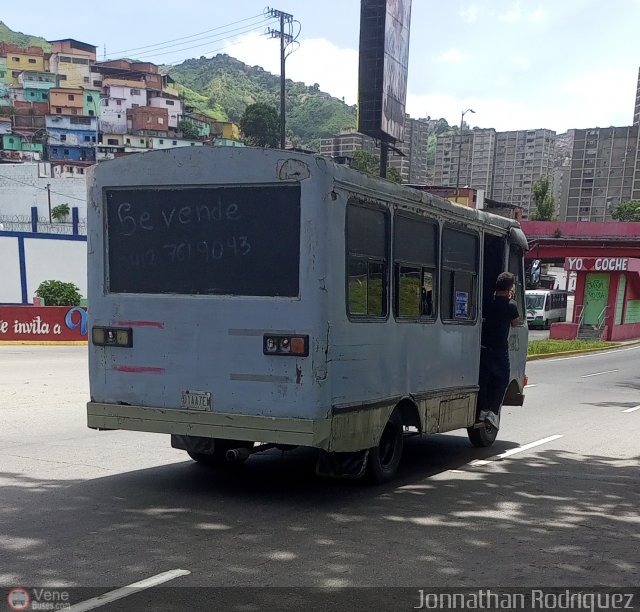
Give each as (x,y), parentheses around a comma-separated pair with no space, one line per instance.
(43,324)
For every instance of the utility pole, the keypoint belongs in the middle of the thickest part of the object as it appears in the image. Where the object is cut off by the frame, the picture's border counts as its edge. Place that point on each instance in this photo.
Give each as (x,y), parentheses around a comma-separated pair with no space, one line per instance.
(285,40)
(469,110)
(49,199)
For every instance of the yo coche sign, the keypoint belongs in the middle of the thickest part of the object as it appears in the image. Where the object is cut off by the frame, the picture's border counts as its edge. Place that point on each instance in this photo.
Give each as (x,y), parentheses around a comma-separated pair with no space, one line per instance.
(597,264)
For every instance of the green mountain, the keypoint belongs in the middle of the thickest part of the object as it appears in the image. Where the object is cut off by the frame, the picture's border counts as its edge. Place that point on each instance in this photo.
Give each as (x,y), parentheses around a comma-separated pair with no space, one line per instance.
(222,87)
(229,85)
(23,40)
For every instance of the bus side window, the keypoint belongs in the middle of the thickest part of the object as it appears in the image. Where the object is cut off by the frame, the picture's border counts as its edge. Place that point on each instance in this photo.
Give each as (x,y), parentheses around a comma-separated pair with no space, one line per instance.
(415,263)
(367,256)
(459,262)
(516,267)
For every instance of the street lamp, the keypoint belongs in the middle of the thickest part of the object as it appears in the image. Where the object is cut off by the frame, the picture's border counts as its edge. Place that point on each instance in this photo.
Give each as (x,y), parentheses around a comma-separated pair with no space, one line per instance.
(469,110)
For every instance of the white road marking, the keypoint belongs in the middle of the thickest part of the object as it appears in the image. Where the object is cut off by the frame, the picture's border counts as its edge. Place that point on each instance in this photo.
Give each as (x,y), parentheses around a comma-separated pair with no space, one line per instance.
(136,587)
(529,386)
(632,409)
(514,451)
(598,373)
(596,354)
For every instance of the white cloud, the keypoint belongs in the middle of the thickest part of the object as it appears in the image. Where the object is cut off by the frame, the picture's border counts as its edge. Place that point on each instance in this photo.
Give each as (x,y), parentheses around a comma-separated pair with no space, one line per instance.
(516,14)
(470,13)
(513,15)
(453,56)
(590,100)
(317,60)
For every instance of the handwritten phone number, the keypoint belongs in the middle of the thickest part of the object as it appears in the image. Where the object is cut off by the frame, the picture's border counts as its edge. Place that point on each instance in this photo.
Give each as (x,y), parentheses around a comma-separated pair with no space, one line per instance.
(185,252)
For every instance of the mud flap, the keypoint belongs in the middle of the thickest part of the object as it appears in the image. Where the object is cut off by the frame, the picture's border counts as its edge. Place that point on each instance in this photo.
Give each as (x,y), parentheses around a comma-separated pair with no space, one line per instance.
(342,465)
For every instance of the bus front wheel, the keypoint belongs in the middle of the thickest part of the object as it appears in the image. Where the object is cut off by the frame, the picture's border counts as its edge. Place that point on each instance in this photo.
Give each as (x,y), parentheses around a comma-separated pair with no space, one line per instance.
(384,459)
(482,437)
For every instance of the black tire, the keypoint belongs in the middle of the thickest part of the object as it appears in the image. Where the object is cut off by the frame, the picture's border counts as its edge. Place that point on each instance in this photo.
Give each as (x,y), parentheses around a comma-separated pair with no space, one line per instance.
(481,437)
(384,459)
(218,457)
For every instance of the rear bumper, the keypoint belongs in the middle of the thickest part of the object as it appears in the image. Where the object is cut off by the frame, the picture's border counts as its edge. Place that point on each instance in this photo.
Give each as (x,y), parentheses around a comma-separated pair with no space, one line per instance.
(297,432)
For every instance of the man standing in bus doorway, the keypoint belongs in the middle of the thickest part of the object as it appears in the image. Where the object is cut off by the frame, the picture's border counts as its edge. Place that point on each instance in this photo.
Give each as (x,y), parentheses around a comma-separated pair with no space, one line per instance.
(500,316)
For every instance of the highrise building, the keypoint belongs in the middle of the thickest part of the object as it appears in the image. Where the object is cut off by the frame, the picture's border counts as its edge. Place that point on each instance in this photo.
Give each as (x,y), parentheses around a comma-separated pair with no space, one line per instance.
(522,157)
(410,161)
(604,172)
(476,151)
(636,112)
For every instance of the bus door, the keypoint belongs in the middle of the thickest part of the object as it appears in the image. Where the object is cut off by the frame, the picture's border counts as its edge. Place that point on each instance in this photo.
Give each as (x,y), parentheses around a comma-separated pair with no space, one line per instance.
(518,336)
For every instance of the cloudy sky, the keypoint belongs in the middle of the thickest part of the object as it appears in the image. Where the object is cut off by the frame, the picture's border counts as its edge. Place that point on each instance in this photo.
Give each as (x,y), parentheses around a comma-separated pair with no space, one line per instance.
(520,64)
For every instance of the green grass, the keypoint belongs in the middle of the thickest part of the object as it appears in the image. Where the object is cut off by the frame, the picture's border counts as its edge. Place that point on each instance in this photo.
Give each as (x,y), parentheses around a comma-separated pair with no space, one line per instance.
(544,347)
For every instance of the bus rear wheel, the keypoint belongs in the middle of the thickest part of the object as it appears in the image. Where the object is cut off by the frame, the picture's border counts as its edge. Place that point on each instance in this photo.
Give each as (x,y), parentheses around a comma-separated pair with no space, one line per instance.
(218,457)
(481,437)
(384,459)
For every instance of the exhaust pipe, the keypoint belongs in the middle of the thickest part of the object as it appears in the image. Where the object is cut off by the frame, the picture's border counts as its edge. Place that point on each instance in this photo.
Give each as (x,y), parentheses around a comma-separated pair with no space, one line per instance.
(235,455)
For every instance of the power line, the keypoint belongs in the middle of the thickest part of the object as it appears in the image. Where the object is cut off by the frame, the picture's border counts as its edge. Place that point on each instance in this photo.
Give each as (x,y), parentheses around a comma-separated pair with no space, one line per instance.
(191,35)
(229,34)
(64,195)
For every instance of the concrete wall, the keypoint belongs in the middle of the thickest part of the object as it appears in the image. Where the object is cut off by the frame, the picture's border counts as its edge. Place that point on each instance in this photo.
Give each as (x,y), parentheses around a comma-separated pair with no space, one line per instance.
(24,185)
(28,259)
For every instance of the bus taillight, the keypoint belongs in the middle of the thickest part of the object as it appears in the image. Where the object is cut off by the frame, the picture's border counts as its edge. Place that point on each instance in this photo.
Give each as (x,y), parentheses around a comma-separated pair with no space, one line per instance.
(297,346)
(112,336)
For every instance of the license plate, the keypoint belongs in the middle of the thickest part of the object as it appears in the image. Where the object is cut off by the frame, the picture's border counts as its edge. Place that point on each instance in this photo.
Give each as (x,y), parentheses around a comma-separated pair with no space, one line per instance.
(196,400)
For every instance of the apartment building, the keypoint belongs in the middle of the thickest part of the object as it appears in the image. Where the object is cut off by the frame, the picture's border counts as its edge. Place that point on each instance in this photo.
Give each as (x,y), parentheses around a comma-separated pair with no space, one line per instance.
(636,112)
(475,150)
(410,160)
(605,170)
(522,157)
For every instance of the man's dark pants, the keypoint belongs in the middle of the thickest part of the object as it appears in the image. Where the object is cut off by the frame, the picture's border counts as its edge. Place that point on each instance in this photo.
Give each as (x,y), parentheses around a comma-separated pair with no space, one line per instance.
(494,378)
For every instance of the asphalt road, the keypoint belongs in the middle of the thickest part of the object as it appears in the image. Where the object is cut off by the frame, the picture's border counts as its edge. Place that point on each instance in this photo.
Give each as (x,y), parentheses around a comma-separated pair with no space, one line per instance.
(108,509)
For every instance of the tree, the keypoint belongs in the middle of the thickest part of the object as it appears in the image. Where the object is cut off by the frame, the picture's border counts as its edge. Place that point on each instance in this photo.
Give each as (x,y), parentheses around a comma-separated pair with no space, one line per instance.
(627,211)
(367,162)
(189,129)
(59,293)
(261,125)
(543,202)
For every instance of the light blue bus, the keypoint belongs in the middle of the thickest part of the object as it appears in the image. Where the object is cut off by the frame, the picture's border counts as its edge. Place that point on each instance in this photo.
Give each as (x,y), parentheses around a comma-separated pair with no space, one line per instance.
(244,299)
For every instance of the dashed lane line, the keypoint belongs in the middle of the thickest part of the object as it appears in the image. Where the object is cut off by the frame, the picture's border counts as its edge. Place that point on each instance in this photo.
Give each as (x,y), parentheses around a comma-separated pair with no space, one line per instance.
(632,409)
(515,451)
(136,587)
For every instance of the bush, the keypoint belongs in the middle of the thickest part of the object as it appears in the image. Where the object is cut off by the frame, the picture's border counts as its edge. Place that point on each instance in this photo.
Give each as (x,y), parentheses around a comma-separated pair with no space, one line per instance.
(60,212)
(59,293)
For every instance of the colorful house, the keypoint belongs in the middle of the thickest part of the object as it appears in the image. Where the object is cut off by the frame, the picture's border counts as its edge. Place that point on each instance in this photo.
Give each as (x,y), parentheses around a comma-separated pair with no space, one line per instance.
(17,59)
(71,138)
(66,101)
(72,60)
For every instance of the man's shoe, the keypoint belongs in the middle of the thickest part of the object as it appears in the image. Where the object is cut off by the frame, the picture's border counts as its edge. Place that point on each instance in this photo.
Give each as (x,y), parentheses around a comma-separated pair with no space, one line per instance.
(493,419)
(482,417)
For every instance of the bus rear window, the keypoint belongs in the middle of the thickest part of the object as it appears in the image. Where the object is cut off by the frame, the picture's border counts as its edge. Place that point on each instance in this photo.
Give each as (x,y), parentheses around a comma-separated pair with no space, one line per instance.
(204,240)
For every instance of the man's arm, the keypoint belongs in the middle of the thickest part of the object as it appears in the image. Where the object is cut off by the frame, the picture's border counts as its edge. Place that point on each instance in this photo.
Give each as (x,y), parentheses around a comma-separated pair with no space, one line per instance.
(515,315)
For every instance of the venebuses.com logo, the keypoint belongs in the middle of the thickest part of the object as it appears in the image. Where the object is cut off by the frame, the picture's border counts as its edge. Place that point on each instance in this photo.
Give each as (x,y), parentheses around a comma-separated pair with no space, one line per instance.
(18,599)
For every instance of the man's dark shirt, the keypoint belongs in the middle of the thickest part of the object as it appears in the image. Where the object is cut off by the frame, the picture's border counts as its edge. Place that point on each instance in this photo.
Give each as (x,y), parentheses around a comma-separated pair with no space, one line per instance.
(497,322)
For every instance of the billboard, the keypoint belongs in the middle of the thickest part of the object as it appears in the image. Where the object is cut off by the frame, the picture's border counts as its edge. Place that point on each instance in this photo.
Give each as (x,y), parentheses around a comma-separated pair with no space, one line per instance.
(384,63)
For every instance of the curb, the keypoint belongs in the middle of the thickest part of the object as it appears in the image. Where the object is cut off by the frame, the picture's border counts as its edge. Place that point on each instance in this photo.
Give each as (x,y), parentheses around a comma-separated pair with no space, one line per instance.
(580,351)
(43,342)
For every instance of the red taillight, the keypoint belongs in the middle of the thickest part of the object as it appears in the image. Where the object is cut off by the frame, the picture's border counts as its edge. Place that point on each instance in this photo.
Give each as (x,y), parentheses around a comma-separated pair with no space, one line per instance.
(278,344)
